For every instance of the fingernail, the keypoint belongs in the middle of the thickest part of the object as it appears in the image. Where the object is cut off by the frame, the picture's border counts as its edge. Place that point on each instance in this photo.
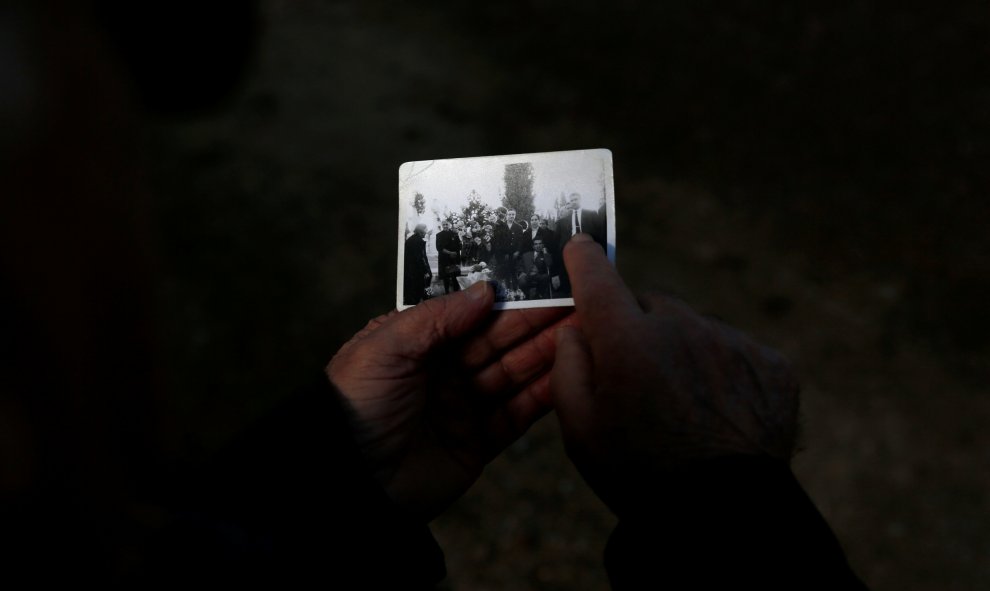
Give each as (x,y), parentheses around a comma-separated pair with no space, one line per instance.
(582,237)
(478,291)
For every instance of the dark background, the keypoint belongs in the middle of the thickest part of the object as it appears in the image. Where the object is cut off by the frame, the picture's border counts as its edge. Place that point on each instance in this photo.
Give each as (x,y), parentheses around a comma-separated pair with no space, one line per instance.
(814,173)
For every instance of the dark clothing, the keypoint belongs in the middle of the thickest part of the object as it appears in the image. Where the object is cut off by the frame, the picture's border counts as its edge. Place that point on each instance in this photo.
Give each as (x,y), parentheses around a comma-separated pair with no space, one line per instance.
(534,275)
(292,502)
(415,271)
(589,223)
(545,234)
(267,512)
(506,241)
(484,253)
(449,241)
(736,522)
(470,251)
(549,239)
(476,253)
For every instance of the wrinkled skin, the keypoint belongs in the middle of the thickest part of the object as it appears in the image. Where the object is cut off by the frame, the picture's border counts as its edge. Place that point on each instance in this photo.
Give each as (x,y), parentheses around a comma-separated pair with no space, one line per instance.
(640,387)
(646,386)
(438,390)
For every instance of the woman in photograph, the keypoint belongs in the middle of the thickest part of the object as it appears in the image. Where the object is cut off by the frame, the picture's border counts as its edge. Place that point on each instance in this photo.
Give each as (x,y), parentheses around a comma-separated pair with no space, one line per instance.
(485,250)
(472,251)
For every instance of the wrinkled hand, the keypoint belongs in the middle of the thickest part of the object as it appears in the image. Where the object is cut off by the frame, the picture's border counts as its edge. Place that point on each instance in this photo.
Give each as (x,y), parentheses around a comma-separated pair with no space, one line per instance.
(437,391)
(642,388)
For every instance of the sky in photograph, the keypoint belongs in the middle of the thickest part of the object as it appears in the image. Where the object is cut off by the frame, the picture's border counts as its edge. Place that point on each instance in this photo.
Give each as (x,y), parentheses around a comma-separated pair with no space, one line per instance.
(449,182)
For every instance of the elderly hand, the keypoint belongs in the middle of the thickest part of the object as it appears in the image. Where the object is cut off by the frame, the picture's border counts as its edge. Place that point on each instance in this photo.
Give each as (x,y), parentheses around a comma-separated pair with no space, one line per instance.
(437,391)
(644,387)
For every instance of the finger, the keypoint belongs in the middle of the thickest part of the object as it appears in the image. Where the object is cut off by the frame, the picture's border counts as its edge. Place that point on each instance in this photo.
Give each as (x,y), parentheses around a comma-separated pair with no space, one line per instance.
(506,330)
(419,330)
(373,325)
(517,415)
(369,329)
(648,302)
(601,298)
(571,380)
(539,391)
(655,302)
(522,364)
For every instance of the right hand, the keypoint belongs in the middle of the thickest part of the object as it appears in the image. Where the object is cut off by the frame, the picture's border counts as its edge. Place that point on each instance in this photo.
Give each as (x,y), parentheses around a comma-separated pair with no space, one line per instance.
(640,389)
(435,392)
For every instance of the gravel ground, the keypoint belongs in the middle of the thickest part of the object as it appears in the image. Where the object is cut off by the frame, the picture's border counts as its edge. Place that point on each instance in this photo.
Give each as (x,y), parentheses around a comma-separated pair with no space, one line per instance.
(815,177)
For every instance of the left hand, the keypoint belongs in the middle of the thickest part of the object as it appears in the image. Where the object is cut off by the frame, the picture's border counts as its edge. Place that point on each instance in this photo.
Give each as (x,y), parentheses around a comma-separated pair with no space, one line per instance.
(648,385)
(437,391)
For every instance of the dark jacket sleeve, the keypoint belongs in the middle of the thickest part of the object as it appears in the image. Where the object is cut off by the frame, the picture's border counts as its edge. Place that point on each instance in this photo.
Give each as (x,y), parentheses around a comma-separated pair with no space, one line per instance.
(292,501)
(728,523)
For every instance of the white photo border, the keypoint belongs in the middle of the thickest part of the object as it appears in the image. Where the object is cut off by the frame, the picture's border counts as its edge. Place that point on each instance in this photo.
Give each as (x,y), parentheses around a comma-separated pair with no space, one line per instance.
(416,177)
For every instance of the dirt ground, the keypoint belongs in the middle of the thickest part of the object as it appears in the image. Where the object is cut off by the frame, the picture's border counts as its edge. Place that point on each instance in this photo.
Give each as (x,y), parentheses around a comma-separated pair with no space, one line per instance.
(816,177)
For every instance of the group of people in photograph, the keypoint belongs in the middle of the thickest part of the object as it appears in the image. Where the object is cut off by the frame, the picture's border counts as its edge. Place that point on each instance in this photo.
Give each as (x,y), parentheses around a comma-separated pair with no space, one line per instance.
(523,257)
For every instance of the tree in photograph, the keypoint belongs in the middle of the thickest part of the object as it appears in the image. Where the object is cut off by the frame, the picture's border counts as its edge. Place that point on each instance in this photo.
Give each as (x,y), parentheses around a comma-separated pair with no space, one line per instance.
(419,203)
(475,210)
(559,205)
(519,189)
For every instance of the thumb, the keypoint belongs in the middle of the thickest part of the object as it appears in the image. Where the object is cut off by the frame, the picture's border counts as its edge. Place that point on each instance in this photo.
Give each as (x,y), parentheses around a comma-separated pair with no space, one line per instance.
(571,380)
(420,329)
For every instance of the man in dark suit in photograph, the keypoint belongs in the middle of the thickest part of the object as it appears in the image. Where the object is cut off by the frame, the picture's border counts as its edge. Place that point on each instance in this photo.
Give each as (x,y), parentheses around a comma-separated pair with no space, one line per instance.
(448,257)
(416,274)
(574,219)
(535,268)
(507,243)
(537,230)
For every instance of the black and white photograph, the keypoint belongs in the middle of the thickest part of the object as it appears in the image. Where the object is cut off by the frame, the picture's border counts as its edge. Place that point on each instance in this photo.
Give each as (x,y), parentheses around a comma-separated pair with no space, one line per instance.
(501,219)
